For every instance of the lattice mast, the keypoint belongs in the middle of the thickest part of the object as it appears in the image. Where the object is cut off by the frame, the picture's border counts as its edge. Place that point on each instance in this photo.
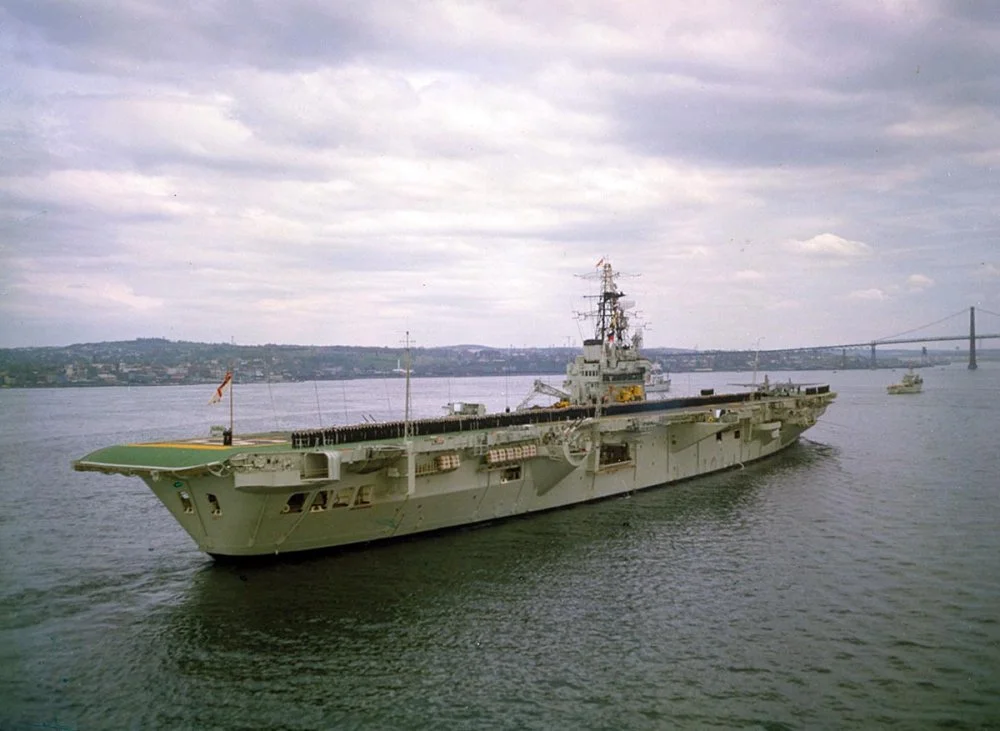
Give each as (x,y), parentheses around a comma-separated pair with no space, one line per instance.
(611,327)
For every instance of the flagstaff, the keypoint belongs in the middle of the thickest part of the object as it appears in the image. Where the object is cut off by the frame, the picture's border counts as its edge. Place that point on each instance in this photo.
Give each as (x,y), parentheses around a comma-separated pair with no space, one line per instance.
(231,389)
(227,383)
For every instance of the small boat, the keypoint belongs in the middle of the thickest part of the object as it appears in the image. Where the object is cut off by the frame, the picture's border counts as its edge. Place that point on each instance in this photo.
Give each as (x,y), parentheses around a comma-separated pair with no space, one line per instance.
(911,383)
(656,380)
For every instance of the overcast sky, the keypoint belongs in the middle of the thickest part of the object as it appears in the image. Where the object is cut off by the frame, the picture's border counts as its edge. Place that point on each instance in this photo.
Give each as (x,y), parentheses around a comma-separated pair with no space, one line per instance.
(330,172)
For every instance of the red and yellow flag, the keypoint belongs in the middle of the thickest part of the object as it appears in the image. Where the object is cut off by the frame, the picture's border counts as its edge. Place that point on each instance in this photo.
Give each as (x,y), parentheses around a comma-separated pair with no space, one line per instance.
(226,383)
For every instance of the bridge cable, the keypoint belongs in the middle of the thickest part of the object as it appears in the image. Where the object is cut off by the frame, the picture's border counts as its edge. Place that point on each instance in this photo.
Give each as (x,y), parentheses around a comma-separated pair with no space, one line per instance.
(930,324)
(980,309)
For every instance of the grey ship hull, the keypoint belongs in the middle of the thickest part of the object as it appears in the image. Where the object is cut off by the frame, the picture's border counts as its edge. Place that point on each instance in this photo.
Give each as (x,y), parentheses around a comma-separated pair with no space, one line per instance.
(274,494)
(279,493)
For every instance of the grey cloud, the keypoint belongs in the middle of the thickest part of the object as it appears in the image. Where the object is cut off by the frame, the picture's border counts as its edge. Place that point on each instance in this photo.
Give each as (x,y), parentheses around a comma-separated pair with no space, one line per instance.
(950,58)
(118,37)
(856,76)
(42,230)
(727,126)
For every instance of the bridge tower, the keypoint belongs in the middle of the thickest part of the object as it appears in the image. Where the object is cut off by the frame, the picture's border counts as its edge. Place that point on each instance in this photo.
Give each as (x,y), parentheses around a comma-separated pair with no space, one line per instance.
(872,365)
(972,339)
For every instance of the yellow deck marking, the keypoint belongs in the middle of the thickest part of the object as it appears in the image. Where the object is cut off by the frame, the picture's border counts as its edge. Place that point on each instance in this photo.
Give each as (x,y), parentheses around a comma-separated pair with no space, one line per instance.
(203,445)
(179,445)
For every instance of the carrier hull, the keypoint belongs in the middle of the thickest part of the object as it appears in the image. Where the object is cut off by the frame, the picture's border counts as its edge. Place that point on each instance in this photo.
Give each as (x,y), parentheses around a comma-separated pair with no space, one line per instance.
(307,490)
(280,493)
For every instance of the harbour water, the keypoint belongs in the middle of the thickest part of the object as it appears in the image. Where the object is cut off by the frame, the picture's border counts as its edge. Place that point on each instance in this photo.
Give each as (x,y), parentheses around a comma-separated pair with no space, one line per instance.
(851,582)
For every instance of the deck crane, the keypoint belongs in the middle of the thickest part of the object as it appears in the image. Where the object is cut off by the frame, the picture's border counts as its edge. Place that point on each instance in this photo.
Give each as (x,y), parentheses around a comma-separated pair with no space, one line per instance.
(542,387)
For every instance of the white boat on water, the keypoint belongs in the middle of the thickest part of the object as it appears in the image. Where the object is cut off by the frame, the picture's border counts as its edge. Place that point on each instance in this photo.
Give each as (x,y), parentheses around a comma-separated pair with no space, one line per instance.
(911,383)
(656,380)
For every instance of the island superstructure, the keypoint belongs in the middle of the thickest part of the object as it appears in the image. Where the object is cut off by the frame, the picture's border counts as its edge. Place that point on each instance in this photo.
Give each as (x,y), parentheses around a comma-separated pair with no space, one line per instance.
(279,492)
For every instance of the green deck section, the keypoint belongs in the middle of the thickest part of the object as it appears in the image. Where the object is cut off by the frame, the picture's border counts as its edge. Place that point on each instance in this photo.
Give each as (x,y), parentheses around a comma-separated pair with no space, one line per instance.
(177,455)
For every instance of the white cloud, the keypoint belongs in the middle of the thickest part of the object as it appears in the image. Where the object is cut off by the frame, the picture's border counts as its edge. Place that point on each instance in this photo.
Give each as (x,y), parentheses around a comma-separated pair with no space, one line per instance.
(102,293)
(786,305)
(873,294)
(957,124)
(919,282)
(830,246)
(118,192)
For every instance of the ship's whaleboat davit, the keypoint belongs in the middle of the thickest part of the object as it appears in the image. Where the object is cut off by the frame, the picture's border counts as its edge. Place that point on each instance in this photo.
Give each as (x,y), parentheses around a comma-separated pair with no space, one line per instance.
(260,494)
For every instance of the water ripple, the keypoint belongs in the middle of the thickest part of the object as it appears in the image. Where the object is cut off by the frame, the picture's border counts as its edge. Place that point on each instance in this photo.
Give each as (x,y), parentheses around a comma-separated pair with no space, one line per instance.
(851,582)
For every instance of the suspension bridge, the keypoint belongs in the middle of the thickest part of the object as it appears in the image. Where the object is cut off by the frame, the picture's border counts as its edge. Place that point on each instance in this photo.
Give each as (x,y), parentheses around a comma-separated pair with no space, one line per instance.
(908,337)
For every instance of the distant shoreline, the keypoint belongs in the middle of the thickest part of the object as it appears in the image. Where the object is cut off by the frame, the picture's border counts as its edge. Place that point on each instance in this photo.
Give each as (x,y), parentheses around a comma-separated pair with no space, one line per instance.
(148,362)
